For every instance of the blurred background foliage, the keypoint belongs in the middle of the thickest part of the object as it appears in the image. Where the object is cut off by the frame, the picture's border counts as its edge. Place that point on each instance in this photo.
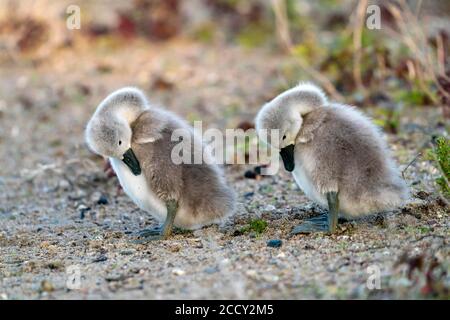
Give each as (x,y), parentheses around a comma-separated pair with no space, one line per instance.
(404,64)
(406,61)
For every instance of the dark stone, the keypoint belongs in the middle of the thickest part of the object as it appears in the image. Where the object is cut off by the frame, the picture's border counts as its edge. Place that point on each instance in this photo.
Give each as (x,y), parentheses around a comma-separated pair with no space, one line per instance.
(249,174)
(100,258)
(422,195)
(274,243)
(103,200)
(83,212)
(249,195)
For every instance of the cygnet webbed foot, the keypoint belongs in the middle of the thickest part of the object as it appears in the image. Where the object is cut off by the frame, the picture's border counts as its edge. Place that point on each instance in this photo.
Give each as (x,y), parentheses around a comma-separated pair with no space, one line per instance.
(161,232)
(324,223)
(149,232)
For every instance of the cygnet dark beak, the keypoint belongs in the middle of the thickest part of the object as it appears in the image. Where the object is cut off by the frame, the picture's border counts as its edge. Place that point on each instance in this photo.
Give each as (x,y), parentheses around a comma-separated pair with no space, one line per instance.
(129,158)
(287,154)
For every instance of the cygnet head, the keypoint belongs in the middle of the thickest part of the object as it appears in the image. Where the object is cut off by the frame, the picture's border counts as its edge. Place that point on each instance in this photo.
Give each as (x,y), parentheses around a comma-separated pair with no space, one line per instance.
(285,114)
(108,132)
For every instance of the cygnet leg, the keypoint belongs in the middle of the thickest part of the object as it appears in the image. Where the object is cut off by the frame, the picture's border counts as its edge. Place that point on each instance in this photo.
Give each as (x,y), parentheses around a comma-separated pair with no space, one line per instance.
(333,211)
(160,232)
(323,223)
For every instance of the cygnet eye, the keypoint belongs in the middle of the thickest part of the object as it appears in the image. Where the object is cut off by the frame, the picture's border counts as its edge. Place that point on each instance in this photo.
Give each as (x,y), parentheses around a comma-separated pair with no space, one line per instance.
(120,142)
(284,137)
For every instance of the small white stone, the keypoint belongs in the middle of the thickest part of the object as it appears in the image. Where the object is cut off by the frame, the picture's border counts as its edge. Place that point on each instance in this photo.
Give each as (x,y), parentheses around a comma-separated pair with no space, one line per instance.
(251,273)
(271,278)
(64,184)
(178,272)
(225,262)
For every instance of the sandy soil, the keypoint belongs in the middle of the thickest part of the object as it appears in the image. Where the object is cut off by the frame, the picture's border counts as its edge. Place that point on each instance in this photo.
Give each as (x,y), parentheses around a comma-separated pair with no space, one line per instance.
(61,216)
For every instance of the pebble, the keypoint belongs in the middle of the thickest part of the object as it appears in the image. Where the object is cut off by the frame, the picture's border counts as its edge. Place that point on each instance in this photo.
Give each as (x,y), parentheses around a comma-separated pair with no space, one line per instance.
(55,265)
(270,207)
(103,200)
(46,286)
(270,278)
(64,185)
(248,195)
(251,273)
(174,248)
(100,258)
(225,262)
(274,243)
(197,243)
(127,252)
(78,195)
(82,209)
(422,195)
(178,272)
(115,277)
(211,270)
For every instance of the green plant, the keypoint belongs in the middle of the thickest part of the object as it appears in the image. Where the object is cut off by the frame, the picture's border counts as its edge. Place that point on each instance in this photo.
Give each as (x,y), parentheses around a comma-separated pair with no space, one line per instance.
(441,155)
(256,225)
(389,119)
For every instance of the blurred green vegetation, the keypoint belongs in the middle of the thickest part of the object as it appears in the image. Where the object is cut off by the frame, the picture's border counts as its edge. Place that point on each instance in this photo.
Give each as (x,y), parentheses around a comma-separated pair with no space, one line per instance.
(440,154)
(257,226)
(390,68)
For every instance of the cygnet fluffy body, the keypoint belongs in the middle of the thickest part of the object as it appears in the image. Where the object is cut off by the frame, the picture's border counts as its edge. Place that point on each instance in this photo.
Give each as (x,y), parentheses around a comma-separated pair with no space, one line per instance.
(336,155)
(136,137)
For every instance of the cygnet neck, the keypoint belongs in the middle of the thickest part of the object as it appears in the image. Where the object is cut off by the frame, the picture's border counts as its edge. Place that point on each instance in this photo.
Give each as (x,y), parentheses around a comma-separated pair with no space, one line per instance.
(123,112)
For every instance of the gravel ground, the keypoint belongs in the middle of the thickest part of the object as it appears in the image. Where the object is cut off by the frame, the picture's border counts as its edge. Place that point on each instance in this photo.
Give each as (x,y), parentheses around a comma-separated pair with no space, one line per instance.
(62,218)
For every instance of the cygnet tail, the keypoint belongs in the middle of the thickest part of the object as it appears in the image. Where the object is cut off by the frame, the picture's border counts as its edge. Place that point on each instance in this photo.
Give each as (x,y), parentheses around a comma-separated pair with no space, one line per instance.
(392,196)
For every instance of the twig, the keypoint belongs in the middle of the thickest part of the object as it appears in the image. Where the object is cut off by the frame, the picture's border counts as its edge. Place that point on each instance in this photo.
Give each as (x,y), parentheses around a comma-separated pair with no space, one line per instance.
(418,7)
(430,236)
(408,24)
(30,175)
(357,46)
(282,25)
(440,51)
(409,164)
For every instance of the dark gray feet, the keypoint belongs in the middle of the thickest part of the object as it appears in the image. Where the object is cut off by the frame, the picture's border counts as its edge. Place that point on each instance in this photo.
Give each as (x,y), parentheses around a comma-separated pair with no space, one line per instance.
(150,234)
(315,224)
(324,223)
(161,232)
